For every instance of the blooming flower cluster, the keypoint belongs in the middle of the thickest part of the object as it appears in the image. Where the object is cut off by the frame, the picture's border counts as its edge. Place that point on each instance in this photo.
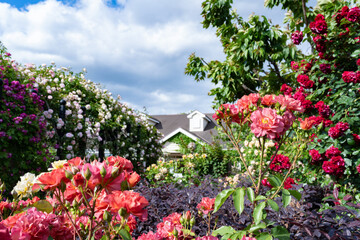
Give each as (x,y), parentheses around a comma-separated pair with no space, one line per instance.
(279,163)
(261,114)
(319,26)
(297,37)
(338,130)
(100,197)
(288,183)
(206,205)
(305,81)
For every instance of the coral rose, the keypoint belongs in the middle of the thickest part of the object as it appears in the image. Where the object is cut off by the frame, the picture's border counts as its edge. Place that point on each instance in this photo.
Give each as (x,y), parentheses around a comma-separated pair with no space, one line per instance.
(132,202)
(307,123)
(206,205)
(266,122)
(51,180)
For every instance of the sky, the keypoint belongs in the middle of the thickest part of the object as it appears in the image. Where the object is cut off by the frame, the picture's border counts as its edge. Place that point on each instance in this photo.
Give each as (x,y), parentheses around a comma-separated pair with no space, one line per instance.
(137,49)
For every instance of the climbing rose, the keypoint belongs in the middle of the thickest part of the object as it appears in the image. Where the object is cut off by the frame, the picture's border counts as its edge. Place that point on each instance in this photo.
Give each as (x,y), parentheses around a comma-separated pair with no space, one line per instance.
(325,68)
(297,37)
(266,122)
(319,26)
(342,126)
(349,76)
(315,156)
(354,15)
(358,168)
(336,166)
(334,132)
(304,81)
(356,138)
(332,152)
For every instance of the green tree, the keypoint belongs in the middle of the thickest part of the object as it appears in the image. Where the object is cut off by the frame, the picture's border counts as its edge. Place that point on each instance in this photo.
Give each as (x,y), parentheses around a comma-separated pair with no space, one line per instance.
(257,52)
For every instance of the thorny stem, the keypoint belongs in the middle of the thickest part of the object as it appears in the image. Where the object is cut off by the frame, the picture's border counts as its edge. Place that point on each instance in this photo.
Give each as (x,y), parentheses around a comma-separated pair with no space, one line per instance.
(67,213)
(231,137)
(287,174)
(261,163)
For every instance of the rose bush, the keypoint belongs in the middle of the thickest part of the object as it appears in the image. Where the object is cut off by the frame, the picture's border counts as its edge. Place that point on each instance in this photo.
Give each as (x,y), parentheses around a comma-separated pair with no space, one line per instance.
(331,99)
(86,200)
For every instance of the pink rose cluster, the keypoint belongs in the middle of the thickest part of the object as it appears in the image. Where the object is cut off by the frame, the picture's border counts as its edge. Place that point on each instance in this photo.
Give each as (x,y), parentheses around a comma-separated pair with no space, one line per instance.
(171,228)
(107,183)
(338,130)
(270,115)
(297,37)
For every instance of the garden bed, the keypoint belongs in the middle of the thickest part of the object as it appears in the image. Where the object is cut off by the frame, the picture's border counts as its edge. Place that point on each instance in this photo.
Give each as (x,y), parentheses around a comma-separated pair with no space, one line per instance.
(301,218)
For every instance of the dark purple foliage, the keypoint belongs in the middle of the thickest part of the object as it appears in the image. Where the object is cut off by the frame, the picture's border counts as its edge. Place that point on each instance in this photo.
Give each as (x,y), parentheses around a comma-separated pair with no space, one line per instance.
(301,218)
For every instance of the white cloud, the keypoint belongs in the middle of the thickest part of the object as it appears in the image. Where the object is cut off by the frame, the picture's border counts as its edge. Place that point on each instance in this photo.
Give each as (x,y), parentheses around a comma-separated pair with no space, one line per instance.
(138,49)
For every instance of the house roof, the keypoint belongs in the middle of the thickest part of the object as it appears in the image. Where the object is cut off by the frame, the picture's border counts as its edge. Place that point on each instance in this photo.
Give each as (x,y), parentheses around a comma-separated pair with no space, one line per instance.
(172,124)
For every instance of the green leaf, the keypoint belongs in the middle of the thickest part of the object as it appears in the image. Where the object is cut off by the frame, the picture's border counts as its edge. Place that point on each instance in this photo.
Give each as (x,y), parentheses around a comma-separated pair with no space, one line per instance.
(223,230)
(44,206)
(264,236)
(260,197)
(259,226)
(286,197)
(280,232)
(221,198)
(274,181)
(273,205)
(125,235)
(251,194)
(258,212)
(296,194)
(356,53)
(238,197)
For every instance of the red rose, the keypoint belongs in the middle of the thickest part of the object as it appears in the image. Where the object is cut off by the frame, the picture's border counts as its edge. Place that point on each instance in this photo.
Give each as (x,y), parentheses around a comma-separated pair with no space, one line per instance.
(319,26)
(332,152)
(315,156)
(304,81)
(334,132)
(288,182)
(354,15)
(297,37)
(279,163)
(325,68)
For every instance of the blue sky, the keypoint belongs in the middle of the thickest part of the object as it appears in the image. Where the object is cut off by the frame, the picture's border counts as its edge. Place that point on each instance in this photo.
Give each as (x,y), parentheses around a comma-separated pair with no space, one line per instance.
(137,49)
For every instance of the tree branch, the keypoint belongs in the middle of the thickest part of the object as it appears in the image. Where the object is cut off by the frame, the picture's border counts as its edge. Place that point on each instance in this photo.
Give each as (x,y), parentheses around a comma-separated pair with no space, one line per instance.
(277,70)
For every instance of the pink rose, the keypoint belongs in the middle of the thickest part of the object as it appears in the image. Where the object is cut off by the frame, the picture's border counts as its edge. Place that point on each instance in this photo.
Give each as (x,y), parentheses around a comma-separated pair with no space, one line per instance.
(266,122)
